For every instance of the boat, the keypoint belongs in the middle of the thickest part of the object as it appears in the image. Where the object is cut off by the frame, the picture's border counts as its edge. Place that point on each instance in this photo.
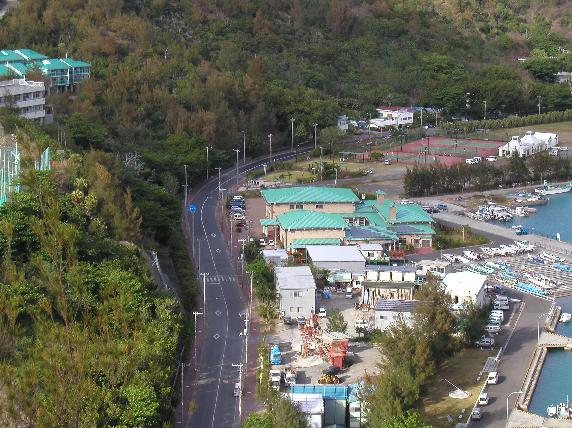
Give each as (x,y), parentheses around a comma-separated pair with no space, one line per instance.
(565,317)
(551,411)
(520,230)
(549,189)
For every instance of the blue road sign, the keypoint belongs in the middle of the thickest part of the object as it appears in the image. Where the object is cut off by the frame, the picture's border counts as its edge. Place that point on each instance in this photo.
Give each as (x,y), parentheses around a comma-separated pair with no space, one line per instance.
(192,208)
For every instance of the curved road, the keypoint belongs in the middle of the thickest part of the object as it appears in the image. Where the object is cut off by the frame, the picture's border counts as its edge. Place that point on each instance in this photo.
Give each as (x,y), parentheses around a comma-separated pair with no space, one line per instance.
(222,346)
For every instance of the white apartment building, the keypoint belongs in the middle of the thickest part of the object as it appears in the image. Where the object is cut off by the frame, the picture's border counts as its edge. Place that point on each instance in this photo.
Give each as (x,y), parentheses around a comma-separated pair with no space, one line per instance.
(25,96)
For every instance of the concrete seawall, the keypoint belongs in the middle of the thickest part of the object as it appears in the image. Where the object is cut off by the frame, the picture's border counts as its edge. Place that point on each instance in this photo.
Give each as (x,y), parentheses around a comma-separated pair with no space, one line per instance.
(531,378)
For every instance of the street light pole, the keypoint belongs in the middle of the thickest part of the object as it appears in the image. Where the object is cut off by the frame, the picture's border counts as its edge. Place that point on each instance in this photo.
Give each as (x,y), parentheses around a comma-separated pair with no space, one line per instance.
(539,100)
(237,152)
(507,397)
(243,146)
(315,136)
(207,147)
(321,163)
(240,395)
(219,168)
(270,140)
(485,116)
(292,145)
(186,186)
(538,325)
(196,362)
(336,179)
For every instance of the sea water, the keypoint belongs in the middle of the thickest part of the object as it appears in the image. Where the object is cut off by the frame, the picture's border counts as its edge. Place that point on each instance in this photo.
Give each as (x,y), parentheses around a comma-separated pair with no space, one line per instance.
(555,380)
(549,219)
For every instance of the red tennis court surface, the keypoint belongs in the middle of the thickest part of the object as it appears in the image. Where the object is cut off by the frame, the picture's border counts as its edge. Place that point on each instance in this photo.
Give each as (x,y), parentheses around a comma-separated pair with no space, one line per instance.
(446,150)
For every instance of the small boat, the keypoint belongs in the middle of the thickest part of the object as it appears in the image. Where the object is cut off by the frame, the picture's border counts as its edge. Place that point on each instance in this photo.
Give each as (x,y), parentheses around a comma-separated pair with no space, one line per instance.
(549,189)
(551,411)
(565,317)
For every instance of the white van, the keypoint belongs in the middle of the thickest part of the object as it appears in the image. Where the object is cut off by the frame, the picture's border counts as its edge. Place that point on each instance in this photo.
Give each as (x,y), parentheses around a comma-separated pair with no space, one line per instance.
(490,328)
(497,314)
(500,305)
(501,298)
(483,399)
(492,378)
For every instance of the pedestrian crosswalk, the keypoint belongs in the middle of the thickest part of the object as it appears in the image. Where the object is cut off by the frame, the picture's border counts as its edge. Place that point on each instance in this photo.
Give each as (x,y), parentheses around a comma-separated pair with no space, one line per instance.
(217,279)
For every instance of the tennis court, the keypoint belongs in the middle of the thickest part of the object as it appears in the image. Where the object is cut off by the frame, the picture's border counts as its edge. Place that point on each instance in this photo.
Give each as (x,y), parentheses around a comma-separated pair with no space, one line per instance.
(446,150)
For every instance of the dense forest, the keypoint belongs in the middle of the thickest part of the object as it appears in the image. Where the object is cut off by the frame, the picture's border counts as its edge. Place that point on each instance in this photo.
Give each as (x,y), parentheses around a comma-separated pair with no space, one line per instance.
(170,78)
(86,338)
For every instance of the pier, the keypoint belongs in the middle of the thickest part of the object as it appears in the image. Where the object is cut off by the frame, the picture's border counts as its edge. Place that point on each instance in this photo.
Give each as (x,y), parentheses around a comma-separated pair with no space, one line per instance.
(548,244)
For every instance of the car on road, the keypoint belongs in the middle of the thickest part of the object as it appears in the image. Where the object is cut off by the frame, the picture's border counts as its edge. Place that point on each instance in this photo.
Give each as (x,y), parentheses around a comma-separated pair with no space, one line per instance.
(322,313)
(476,414)
(387,162)
(483,399)
(492,378)
(237,390)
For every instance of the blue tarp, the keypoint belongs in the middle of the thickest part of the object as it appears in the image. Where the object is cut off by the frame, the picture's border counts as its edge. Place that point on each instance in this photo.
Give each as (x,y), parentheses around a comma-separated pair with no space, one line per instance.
(329,392)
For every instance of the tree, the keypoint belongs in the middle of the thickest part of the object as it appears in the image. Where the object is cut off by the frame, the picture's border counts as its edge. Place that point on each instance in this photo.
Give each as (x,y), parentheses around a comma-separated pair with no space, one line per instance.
(411,419)
(336,321)
(259,420)
(287,414)
(340,18)
(471,323)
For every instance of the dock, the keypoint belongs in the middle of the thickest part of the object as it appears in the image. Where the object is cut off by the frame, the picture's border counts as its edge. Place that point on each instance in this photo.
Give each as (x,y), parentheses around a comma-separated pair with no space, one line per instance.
(548,244)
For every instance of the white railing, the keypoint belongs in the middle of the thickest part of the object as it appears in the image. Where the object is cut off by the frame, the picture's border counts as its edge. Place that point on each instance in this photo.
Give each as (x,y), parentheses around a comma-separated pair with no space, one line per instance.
(21,82)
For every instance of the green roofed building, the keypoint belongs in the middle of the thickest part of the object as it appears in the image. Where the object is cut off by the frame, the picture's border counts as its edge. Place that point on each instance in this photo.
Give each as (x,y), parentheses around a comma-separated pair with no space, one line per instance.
(63,73)
(311,214)
(308,198)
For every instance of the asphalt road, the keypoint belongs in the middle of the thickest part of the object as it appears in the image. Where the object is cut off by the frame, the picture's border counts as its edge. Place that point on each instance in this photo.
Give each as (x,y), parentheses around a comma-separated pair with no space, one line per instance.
(222,346)
(514,360)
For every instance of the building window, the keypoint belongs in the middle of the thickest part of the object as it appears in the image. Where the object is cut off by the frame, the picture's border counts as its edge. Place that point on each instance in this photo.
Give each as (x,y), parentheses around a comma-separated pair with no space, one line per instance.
(319,206)
(292,206)
(297,294)
(299,206)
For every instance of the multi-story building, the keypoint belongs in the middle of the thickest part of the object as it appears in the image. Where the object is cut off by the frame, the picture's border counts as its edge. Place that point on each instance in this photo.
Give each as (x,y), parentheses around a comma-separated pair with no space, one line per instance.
(62,73)
(25,97)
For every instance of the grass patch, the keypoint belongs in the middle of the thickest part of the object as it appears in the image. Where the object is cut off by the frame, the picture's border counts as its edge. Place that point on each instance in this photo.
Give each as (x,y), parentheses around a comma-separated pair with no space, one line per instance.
(563,129)
(292,176)
(462,370)
(454,237)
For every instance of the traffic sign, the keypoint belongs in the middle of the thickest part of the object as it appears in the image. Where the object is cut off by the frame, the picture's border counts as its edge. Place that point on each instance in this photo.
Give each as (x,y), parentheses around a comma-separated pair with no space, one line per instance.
(192,208)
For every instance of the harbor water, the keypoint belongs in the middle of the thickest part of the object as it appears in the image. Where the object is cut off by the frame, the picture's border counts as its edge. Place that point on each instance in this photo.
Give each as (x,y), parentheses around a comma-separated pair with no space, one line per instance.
(555,381)
(549,219)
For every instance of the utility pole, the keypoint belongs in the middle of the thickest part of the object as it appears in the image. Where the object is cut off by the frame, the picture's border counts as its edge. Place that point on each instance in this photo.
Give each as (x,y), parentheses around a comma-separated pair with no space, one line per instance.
(336,180)
(237,152)
(485,115)
(539,100)
(219,193)
(186,186)
(321,164)
(421,117)
(193,231)
(196,361)
(207,147)
(270,138)
(315,136)
(243,146)
(183,365)
(292,145)
(204,275)
(240,395)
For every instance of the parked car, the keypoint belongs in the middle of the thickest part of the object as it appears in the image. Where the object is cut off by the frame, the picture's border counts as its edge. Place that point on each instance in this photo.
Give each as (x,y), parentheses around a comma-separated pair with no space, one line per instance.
(490,328)
(442,207)
(387,162)
(492,378)
(485,342)
(470,161)
(476,414)
(363,324)
(301,321)
(270,242)
(237,390)
(331,370)
(483,399)
(494,321)
(322,313)
(287,320)
(262,242)
(503,306)
(491,158)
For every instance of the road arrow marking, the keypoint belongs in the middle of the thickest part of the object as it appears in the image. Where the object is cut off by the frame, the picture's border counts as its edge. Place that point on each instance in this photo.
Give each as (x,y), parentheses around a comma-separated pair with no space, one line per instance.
(218,250)
(218,313)
(216,336)
(213,235)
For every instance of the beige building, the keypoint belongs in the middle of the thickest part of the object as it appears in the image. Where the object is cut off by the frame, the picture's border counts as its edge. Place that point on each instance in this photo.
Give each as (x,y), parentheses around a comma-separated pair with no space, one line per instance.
(27,98)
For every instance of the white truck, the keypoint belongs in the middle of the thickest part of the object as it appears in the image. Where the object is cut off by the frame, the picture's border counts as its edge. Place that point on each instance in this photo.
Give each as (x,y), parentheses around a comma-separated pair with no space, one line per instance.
(290,376)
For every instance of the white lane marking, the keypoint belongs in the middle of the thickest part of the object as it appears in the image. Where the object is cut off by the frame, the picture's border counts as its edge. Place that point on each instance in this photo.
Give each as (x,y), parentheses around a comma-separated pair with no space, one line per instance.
(226,326)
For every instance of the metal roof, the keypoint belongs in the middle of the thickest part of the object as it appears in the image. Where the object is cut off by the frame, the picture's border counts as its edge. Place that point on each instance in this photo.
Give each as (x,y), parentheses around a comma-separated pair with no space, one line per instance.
(268,222)
(390,268)
(30,54)
(387,284)
(404,213)
(304,242)
(10,55)
(329,392)
(309,194)
(294,278)
(302,219)
(75,63)
(335,253)
(412,229)
(464,283)
(52,64)
(394,305)
(371,247)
